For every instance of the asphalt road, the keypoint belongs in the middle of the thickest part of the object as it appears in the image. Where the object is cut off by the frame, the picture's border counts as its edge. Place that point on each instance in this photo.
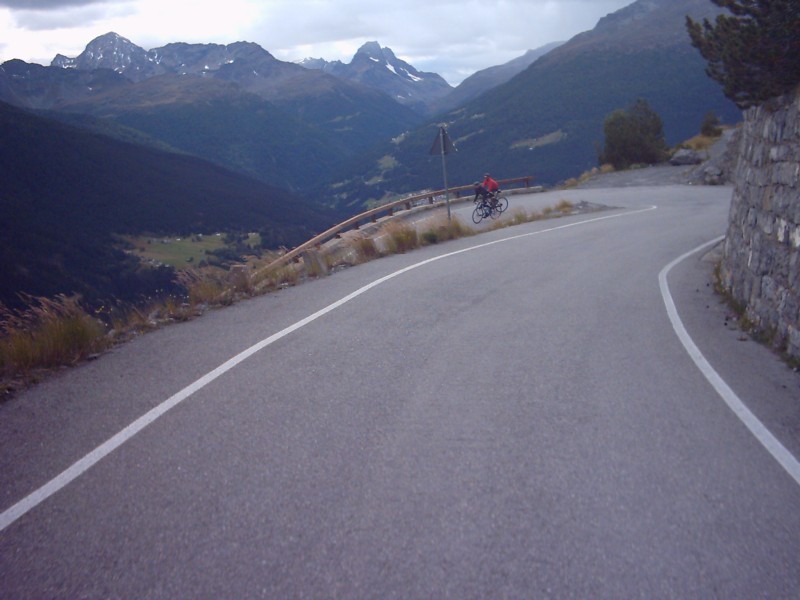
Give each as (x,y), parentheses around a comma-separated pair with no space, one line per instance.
(510,415)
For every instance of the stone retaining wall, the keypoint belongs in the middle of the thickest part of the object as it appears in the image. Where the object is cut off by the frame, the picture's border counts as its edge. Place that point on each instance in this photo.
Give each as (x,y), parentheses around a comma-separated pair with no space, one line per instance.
(761,263)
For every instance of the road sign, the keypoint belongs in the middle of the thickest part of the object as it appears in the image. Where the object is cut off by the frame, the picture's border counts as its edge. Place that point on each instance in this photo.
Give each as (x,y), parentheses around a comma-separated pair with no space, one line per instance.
(442,144)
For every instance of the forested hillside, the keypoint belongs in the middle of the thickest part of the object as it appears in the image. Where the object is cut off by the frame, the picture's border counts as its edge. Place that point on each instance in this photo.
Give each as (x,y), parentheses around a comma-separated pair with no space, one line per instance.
(65,191)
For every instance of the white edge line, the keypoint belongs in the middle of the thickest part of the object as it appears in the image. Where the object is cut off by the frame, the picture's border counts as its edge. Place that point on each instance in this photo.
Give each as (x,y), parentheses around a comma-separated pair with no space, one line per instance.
(756,427)
(8,516)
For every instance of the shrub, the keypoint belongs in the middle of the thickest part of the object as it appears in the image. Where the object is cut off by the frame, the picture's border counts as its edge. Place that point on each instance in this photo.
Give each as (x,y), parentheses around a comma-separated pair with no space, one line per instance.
(633,136)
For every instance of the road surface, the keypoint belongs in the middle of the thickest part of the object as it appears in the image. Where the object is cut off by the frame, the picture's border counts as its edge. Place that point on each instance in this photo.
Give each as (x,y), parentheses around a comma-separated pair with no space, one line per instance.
(511,415)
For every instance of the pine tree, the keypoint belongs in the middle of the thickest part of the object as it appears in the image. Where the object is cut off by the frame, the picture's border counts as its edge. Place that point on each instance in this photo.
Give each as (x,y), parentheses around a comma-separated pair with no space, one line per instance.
(633,136)
(754,52)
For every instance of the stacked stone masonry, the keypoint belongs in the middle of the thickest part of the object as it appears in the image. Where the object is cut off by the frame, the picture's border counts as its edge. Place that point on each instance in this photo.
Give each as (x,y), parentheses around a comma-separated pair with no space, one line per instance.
(761,264)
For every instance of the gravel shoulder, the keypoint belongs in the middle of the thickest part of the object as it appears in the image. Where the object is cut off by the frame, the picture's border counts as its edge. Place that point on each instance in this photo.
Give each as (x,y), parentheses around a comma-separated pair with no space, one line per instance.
(717,157)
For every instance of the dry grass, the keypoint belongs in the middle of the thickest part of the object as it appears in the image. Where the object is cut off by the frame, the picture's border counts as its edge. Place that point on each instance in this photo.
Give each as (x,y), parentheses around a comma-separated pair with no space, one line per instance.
(570,183)
(269,279)
(48,333)
(518,216)
(365,250)
(442,230)
(204,287)
(699,143)
(51,333)
(401,237)
(564,206)
(606,168)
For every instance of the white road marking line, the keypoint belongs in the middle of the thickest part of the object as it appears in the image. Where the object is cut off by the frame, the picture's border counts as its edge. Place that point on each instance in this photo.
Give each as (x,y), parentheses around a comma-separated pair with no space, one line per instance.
(13,513)
(756,427)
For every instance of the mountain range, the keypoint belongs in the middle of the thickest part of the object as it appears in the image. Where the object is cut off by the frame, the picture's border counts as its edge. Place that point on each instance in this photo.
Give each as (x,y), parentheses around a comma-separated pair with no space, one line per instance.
(235,104)
(379,68)
(343,135)
(547,121)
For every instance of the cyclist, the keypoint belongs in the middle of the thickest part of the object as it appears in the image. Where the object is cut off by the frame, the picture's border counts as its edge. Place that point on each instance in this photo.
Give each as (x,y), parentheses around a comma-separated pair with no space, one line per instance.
(487,189)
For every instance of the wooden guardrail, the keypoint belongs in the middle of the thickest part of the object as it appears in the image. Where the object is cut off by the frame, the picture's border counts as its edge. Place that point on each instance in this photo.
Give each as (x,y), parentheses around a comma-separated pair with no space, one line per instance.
(388,208)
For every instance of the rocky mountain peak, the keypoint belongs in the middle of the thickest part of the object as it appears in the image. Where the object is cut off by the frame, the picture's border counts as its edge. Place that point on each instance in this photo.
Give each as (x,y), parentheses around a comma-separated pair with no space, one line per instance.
(313,63)
(371,54)
(112,51)
(108,51)
(379,68)
(205,59)
(370,50)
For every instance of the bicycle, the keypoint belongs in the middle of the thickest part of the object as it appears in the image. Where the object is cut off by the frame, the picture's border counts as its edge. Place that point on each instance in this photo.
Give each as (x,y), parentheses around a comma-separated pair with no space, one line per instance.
(491,206)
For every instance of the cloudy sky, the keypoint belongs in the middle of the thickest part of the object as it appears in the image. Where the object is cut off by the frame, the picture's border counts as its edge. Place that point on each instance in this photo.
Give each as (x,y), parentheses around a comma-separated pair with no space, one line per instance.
(454,38)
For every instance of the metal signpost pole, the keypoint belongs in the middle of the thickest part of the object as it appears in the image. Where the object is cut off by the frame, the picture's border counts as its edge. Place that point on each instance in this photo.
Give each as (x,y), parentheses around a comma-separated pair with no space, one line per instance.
(442,145)
(444,171)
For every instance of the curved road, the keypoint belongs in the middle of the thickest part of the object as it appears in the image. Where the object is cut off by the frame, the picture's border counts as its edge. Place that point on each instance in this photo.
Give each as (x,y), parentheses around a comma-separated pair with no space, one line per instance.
(510,415)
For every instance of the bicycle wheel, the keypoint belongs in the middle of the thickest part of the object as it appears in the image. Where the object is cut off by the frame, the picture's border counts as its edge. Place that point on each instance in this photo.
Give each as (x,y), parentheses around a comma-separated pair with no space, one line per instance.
(477,214)
(502,204)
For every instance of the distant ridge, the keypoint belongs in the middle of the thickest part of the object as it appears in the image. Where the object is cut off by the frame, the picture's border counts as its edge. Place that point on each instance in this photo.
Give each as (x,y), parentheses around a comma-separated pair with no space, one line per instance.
(482,81)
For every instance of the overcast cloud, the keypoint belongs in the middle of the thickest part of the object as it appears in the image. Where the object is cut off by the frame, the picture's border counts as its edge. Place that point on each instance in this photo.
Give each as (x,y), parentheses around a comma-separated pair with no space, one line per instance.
(454,38)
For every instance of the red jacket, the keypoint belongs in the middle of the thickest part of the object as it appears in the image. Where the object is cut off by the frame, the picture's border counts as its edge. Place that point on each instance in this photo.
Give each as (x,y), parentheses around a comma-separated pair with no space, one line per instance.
(490,184)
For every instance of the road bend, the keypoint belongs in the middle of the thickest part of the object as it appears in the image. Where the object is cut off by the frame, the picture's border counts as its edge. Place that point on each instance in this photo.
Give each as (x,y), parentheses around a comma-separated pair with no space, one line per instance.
(510,415)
